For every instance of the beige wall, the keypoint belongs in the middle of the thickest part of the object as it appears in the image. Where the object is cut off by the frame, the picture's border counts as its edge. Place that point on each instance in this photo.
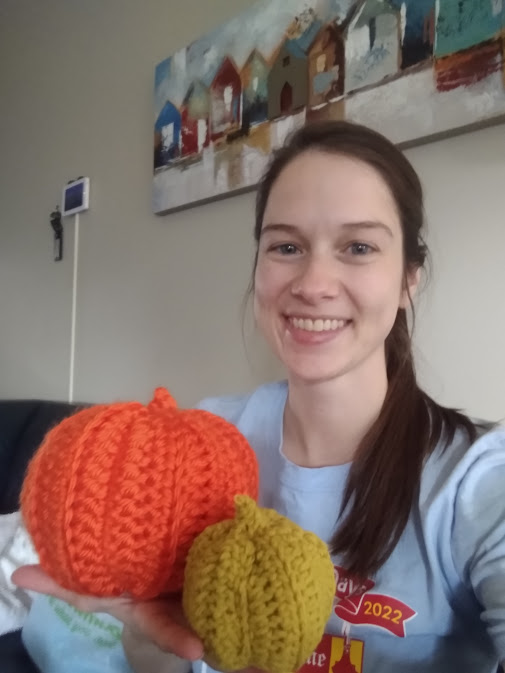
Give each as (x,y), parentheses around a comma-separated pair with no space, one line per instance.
(461,317)
(159,297)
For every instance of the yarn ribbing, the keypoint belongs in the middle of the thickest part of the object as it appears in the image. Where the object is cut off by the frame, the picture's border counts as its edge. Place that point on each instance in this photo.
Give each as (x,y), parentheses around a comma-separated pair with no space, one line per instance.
(116,494)
(258,590)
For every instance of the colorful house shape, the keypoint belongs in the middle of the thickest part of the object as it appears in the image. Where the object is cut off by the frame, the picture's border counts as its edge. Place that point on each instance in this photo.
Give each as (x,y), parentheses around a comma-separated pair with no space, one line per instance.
(225,100)
(287,80)
(468,42)
(372,33)
(503,46)
(195,135)
(418,23)
(326,65)
(254,78)
(167,135)
(466,23)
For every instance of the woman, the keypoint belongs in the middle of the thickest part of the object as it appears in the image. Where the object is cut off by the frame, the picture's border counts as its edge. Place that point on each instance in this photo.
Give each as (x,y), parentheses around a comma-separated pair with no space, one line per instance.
(407,494)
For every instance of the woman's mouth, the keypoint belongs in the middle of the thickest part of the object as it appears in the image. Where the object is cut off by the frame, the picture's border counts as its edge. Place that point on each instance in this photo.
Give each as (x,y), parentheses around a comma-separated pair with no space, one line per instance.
(318,324)
(313,331)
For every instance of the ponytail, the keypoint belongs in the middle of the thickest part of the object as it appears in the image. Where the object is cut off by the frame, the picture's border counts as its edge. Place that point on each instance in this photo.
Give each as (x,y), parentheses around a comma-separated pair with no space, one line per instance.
(386,472)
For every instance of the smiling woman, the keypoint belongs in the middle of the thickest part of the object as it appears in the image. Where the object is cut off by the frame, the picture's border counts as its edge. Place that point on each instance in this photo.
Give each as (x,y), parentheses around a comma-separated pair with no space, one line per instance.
(326,254)
(407,494)
(340,252)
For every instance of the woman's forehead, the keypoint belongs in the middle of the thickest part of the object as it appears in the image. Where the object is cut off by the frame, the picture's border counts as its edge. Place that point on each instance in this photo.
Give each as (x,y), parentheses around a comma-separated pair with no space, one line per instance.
(315,167)
(330,188)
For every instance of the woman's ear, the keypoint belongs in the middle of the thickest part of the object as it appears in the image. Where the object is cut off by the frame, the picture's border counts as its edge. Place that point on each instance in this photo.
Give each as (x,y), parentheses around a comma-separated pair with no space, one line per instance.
(411,282)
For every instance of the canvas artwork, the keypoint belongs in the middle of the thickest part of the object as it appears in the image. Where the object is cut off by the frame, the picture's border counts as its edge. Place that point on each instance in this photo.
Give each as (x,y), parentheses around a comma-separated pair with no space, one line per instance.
(408,68)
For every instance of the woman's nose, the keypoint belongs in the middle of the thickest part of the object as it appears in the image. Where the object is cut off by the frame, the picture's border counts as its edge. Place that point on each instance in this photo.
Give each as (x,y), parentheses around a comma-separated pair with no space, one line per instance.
(317,279)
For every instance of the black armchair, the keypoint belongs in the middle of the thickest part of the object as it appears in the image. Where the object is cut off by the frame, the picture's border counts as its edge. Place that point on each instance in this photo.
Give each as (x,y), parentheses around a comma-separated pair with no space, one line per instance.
(23,424)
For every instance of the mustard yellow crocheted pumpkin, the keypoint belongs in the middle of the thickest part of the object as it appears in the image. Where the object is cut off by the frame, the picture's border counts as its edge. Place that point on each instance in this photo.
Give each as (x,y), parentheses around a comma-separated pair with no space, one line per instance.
(258,590)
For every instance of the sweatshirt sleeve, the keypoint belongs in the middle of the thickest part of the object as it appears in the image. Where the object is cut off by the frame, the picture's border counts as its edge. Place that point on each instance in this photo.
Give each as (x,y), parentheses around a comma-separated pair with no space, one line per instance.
(478,535)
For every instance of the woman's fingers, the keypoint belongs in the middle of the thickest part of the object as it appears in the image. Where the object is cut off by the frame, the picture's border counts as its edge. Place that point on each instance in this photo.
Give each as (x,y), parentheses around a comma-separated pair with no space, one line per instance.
(33,578)
(161,621)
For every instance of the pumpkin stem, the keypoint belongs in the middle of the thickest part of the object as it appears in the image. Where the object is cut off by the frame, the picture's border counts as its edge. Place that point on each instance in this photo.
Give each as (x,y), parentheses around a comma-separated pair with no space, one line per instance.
(162,401)
(247,512)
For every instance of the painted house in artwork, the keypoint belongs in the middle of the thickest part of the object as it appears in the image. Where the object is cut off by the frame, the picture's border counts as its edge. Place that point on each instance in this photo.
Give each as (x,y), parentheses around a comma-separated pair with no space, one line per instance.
(503,46)
(195,112)
(254,77)
(167,135)
(372,33)
(468,45)
(466,23)
(418,30)
(225,100)
(287,81)
(326,65)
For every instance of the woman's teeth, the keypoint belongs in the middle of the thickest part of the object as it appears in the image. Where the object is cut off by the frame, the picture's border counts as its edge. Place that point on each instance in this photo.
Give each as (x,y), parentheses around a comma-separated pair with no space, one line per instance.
(318,325)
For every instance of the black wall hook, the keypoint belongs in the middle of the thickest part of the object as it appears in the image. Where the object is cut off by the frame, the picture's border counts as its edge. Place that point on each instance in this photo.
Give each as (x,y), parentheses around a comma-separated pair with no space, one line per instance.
(55,219)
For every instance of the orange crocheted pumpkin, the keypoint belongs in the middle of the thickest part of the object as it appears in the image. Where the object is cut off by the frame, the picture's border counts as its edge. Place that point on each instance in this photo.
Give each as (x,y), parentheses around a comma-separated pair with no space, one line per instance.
(116,494)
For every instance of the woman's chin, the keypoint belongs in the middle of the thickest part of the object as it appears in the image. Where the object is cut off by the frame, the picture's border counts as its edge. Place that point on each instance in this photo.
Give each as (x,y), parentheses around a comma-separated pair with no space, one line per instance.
(313,372)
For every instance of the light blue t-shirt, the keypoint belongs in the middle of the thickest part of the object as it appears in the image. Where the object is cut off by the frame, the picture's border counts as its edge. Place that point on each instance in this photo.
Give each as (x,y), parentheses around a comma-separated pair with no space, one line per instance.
(436,606)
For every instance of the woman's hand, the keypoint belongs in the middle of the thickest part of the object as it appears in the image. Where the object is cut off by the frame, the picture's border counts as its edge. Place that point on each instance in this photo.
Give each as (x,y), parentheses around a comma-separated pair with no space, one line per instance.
(160,620)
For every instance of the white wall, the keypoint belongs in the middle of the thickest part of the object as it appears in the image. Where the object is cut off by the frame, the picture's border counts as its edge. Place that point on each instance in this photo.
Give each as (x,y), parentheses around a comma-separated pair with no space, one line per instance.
(159,298)
(461,317)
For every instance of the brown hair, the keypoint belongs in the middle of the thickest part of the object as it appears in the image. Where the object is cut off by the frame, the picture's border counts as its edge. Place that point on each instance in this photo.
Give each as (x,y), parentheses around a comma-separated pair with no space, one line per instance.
(385,474)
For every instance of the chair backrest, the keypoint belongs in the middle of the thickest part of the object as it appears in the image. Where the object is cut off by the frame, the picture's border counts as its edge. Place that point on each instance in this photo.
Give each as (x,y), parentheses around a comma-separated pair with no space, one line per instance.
(23,425)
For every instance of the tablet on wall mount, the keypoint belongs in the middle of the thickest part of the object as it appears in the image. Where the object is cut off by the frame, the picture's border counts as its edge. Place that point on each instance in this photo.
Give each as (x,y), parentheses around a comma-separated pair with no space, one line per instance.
(75,197)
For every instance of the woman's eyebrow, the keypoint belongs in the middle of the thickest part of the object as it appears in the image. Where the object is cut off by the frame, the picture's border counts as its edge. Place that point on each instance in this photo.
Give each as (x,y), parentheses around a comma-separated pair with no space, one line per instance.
(362,224)
(285,228)
(368,224)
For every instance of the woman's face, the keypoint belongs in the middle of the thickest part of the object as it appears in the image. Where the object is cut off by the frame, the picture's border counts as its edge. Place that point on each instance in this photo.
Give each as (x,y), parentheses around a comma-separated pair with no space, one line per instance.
(329,278)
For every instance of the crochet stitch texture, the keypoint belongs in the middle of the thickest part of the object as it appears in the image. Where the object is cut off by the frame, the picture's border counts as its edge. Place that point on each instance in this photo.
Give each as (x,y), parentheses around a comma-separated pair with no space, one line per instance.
(258,591)
(116,494)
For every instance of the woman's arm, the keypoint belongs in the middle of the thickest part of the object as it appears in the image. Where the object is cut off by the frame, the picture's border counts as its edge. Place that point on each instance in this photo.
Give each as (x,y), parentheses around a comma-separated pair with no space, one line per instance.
(478,535)
(156,636)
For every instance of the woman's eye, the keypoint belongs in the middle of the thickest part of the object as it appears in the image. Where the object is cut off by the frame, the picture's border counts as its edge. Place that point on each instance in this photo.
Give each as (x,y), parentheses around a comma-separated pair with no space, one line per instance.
(360,249)
(286,249)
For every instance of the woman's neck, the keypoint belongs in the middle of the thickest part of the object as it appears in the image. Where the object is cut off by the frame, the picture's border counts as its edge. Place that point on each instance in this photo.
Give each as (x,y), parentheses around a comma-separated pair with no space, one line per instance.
(325,422)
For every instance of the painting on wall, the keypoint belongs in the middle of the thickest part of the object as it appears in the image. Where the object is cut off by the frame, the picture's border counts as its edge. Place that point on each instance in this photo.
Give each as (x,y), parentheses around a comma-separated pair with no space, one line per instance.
(411,69)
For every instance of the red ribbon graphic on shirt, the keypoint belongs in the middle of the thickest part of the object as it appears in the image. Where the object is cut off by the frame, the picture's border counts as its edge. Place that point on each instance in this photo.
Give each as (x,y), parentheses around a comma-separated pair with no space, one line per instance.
(385,612)
(350,588)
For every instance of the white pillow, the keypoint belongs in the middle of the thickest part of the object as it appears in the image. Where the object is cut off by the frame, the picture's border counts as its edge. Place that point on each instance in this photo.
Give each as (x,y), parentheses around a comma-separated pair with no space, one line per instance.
(16,549)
